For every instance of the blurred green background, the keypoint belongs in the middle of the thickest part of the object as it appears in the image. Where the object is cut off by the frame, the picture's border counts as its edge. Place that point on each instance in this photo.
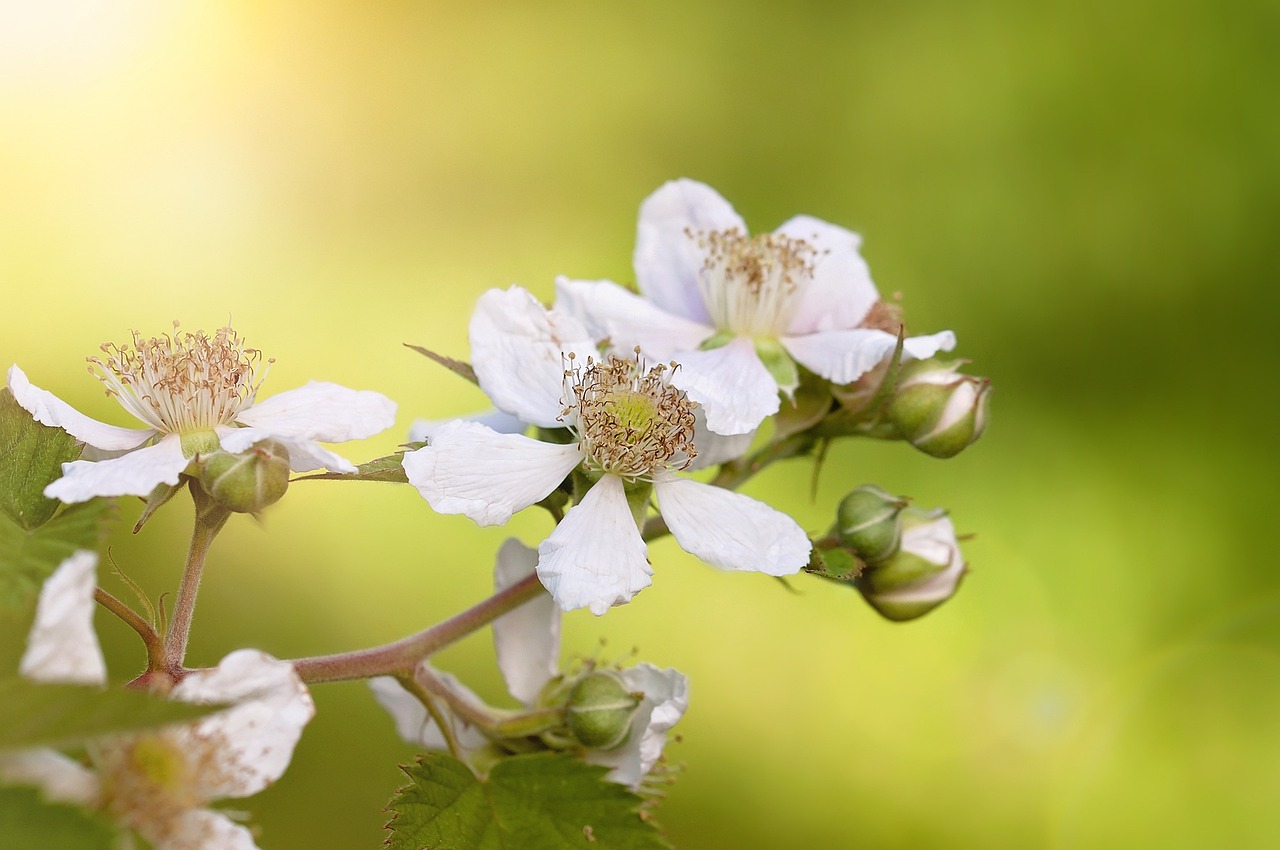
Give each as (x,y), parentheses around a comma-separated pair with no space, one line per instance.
(1083,191)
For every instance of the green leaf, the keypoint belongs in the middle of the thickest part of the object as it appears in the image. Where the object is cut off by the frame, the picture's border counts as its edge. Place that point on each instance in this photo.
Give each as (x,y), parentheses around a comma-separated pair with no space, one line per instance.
(26,820)
(457,367)
(40,715)
(31,457)
(541,801)
(28,557)
(389,468)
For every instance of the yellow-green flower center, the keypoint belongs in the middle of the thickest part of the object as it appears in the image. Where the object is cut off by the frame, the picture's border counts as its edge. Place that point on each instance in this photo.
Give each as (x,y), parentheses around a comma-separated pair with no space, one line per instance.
(630,421)
(186,383)
(149,781)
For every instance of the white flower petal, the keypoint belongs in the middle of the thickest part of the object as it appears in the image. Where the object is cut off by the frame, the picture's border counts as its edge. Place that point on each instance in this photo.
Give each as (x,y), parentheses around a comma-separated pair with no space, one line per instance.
(500,421)
(729,530)
(414,725)
(595,558)
(59,778)
(666,698)
(527,639)
(50,410)
(472,470)
(134,474)
(62,645)
(204,829)
(259,732)
(668,259)
(628,320)
(322,411)
(731,383)
(714,449)
(841,292)
(844,356)
(304,455)
(517,349)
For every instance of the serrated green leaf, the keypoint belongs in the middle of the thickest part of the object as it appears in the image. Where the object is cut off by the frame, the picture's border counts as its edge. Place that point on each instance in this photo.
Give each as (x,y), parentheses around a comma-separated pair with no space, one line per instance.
(389,468)
(40,715)
(28,821)
(542,801)
(31,457)
(461,369)
(28,557)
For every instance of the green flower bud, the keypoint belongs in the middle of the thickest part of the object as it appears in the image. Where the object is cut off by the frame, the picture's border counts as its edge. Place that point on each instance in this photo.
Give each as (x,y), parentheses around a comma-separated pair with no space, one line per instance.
(868,522)
(246,482)
(922,574)
(937,409)
(600,709)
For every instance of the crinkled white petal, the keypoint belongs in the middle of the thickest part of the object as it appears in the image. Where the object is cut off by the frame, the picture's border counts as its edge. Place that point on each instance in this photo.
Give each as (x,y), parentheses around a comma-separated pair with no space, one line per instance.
(595,558)
(62,645)
(517,351)
(259,732)
(133,474)
(668,259)
(50,410)
(304,455)
(666,698)
(731,384)
(498,420)
(59,778)
(322,411)
(628,320)
(472,470)
(844,356)
(713,448)
(204,829)
(527,639)
(414,725)
(840,293)
(729,530)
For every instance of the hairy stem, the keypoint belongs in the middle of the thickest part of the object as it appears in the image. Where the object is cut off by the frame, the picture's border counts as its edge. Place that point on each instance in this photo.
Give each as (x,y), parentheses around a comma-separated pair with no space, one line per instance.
(150,639)
(207,526)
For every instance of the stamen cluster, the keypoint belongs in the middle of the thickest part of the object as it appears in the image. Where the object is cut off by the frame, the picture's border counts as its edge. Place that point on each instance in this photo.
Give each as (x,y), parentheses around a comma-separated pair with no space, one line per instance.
(185,382)
(630,421)
(747,281)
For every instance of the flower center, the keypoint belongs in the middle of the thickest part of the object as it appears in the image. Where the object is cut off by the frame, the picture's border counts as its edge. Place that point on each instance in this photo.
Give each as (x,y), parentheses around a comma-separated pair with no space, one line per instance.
(750,283)
(630,421)
(185,383)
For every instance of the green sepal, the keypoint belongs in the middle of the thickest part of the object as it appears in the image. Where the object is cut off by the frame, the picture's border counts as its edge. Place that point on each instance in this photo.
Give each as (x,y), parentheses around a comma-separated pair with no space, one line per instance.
(389,468)
(780,365)
(27,558)
(29,821)
(638,494)
(31,457)
(810,404)
(34,714)
(719,340)
(540,801)
(458,367)
(832,561)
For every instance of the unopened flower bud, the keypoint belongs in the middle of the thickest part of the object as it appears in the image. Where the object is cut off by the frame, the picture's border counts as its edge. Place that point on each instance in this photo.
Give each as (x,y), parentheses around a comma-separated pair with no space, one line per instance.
(922,574)
(600,709)
(937,409)
(868,522)
(249,481)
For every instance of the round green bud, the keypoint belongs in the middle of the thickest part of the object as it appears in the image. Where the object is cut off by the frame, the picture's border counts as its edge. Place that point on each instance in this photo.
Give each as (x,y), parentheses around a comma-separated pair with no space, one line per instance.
(249,481)
(600,709)
(923,573)
(868,522)
(938,409)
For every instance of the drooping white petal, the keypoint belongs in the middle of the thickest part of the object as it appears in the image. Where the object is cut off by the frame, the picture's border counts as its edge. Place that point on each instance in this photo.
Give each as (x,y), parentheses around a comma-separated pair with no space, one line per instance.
(666,698)
(258,733)
(304,455)
(134,474)
(62,645)
(729,530)
(415,725)
(713,448)
(668,259)
(48,409)
(59,778)
(595,558)
(844,356)
(840,293)
(629,320)
(731,384)
(322,411)
(500,421)
(470,469)
(527,639)
(204,829)
(517,351)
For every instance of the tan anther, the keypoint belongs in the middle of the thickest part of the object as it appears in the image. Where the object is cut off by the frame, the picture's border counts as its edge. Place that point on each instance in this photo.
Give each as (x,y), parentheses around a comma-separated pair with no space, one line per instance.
(748,282)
